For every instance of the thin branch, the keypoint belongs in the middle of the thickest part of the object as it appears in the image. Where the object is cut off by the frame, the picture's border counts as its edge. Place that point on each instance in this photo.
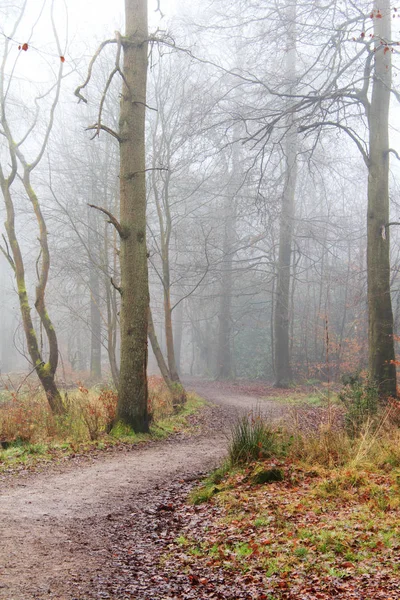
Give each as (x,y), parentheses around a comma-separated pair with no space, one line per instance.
(115,286)
(200,280)
(78,90)
(112,220)
(132,175)
(158,9)
(30,373)
(7,254)
(96,127)
(393,151)
(146,105)
(37,263)
(339,126)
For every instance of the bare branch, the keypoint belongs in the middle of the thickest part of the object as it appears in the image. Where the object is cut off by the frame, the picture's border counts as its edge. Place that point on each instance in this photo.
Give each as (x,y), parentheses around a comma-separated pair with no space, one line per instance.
(117,69)
(6,252)
(201,278)
(112,220)
(349,132)
(115,286)
(393,151)
(158,9)
(29,374)
(96,127)
(90,69)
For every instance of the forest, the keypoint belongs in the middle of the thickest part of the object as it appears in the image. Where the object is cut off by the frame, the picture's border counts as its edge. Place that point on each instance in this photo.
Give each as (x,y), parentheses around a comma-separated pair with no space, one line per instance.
(200,240)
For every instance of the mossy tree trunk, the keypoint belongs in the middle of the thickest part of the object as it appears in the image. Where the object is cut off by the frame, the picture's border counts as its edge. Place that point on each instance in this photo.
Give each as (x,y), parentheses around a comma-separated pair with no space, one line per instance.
(45,370)
(381,343)
(133,393)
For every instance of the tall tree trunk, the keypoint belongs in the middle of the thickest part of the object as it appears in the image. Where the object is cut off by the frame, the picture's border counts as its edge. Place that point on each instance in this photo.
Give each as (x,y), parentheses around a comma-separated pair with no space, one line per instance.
(133,393)
(169,335)
(94,288)
(283,370)
(224,352)
(162,365)
(380,341)
(45,370)
(175,387)
(178,332)
(112,310)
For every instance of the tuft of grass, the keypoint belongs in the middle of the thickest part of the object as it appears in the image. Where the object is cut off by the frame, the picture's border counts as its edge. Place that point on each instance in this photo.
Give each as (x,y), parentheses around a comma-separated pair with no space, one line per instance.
(252,439)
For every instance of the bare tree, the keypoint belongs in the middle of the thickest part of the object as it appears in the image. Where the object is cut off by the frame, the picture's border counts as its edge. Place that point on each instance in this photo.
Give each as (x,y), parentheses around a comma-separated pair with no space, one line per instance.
(21,170)
(283,370)
(131,227)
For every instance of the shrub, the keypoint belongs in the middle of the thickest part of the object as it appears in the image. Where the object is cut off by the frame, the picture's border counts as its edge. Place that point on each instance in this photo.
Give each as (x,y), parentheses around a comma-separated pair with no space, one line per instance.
(160,402)
(108,400)
(24,419)
(361,400)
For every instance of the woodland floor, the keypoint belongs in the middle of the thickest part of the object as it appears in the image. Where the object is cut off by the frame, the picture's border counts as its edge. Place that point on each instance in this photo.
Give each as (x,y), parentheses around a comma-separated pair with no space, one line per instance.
(97,526)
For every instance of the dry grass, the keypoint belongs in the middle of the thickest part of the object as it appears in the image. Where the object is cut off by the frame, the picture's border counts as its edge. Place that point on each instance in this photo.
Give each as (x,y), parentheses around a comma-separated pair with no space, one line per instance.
(26,421)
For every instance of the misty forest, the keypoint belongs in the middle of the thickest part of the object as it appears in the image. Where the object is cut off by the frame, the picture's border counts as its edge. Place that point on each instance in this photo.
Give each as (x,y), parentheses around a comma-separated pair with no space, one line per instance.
(199,268)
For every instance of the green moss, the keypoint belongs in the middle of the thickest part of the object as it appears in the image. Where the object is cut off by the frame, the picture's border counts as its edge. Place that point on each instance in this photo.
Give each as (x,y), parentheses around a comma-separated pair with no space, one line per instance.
(43,370)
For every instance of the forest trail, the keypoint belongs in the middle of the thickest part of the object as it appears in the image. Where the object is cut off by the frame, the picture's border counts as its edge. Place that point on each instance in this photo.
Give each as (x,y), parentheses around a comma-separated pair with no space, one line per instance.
(52,523)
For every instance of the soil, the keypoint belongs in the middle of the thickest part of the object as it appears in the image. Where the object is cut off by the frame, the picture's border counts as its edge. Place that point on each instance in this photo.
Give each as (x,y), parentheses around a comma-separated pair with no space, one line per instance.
(93,526)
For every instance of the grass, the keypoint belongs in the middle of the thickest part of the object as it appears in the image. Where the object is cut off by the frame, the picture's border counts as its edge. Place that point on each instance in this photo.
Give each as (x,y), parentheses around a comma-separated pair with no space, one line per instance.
(302,399)
(313,527)
(30,434)
(333,515)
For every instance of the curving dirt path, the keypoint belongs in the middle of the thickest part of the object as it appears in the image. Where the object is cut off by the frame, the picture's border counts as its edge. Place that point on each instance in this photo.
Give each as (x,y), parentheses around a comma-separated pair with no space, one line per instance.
(52,524)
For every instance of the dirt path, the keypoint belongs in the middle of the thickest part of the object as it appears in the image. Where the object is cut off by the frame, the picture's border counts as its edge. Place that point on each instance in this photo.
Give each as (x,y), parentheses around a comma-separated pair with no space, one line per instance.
(54,525)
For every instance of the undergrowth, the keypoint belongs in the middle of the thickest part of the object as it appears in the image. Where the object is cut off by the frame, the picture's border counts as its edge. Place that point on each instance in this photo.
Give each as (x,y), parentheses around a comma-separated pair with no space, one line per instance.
(368,437)
(297,511)
(29,431)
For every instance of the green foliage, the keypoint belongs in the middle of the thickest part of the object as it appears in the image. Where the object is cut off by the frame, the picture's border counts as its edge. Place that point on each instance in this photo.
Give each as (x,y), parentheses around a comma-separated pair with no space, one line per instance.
(204,493)
(361,400)
(252,439)
(267,476)
(210,485)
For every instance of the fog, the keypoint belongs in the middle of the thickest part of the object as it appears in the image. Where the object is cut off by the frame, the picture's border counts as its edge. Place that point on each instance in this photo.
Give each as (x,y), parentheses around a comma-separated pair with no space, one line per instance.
(257,150)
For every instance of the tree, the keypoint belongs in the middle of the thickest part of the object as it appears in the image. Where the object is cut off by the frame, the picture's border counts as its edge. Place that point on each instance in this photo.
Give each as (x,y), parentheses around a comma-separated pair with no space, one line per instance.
(380,319)
(21,170)
(132,392)
(283,370)
(132,406)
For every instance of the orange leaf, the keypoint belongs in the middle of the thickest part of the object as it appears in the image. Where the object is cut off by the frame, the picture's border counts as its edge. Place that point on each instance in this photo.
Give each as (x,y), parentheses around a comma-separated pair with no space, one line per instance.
(62,59)
(25,46)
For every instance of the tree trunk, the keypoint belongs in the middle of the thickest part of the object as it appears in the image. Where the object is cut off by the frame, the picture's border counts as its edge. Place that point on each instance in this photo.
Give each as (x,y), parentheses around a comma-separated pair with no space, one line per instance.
(224,354)
(175,387)
(283,370)
(178,332)
(133,393)
(94,288)
(380,341)
(45,371)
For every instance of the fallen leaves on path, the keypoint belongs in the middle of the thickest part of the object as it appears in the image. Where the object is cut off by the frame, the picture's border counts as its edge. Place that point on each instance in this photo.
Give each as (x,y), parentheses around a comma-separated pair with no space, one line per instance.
(312,536)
